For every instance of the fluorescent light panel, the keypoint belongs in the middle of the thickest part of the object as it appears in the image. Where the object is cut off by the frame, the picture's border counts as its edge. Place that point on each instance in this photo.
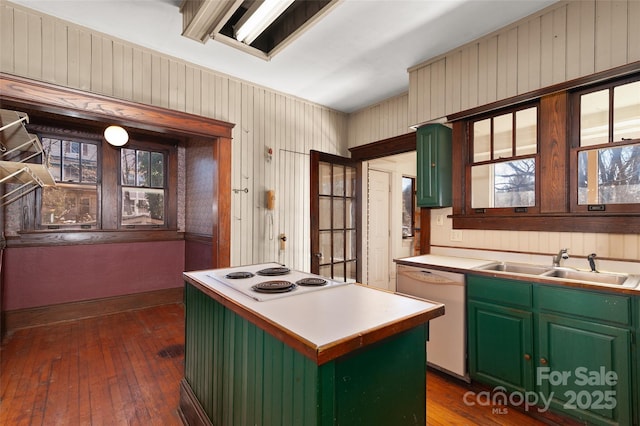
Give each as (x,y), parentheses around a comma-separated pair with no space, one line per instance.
(268,11)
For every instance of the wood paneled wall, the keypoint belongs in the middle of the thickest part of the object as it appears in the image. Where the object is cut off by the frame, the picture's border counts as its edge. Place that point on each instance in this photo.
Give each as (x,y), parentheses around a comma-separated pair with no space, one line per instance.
(570,39)
(44,48)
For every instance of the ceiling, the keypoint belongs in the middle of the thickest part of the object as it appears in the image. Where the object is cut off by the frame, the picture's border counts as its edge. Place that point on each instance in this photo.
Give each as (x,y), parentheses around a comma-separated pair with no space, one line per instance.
(356,55)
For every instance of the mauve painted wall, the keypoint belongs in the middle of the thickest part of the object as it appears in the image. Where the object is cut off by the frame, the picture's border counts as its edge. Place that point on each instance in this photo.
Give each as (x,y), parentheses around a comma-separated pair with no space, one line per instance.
(39,276)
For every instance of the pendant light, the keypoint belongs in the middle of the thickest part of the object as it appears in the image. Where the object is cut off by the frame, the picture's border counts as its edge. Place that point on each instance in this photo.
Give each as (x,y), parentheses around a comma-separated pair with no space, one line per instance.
(116,135)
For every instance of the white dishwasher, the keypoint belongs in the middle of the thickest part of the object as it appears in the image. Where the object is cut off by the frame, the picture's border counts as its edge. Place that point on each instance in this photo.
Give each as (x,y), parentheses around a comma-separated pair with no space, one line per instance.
(447,345)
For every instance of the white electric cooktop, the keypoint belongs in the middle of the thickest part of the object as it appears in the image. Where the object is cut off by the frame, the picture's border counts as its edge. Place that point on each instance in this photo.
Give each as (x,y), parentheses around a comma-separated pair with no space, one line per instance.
(235,278)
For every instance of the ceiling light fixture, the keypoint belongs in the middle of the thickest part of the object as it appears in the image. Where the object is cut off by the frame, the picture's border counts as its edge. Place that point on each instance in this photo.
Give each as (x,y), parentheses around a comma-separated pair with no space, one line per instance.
(264,15)
(116,135)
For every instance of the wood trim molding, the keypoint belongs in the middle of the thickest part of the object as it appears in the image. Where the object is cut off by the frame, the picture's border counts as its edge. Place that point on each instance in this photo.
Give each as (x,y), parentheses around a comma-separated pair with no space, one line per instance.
(190,410)
(198,238)
(76,237)
(32,317)
(46,98)
(60,100)
(385,147)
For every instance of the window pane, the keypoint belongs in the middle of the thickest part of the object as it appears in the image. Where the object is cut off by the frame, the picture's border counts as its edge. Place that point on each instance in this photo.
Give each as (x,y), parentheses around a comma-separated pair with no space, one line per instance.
(338,180)
(350,213)
(69,204)
(350,181)
(626,111)
(70,161)
(143,168)
(325,213)
(407,207)
(609,176)
(506,184)
(482,140)
(142,206)
(351,245)
(89,163)
(157,170)
(338,246)
(128,166)
(325,246)
(503,136)
(351,272)
(52,149)
(594,118)
(324,178)
(338,213)
(527,131)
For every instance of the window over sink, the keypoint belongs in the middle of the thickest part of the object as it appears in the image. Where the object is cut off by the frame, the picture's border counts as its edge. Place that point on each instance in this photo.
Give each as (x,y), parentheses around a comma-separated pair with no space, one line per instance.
(606,143)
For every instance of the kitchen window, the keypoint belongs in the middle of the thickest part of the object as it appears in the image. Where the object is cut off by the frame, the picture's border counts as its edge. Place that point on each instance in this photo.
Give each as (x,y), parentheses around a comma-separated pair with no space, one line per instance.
(74,201)
(408,206)
(606,147)
(143,187)
(502,164)
(101,187)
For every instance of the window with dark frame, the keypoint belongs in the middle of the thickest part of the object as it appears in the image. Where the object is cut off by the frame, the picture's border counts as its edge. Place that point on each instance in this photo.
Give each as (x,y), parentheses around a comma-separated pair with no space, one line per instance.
(74,201)
(502,164)
(606,147)
(408,206)
(143,186)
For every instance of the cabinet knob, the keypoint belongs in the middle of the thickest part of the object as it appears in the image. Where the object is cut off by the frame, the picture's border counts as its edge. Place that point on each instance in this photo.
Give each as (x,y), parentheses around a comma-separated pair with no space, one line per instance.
(433,164)
(543,361)
(527,357)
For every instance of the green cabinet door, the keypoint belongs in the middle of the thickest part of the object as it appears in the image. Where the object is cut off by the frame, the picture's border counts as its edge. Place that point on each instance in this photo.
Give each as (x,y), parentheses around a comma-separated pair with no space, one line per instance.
(586,368)
(433,146)
(500,341)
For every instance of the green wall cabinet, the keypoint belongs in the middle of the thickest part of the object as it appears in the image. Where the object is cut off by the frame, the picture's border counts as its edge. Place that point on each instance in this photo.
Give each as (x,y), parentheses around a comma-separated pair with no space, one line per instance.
(433,146)
(573,346)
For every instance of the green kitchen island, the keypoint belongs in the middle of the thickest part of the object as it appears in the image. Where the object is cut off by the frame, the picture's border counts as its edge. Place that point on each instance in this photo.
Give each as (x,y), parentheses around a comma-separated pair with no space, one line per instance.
(345,355)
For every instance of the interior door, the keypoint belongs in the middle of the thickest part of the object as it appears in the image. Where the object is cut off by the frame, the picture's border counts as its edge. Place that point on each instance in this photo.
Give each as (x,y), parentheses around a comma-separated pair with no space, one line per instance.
(335,211)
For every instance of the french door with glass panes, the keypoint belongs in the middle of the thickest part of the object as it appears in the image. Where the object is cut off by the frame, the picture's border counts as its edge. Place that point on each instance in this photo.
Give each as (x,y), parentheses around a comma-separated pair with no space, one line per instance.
(335,211)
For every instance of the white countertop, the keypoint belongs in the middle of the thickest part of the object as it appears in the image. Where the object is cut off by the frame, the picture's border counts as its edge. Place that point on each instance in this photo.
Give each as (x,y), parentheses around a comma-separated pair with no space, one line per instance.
(329,317)
(443,261)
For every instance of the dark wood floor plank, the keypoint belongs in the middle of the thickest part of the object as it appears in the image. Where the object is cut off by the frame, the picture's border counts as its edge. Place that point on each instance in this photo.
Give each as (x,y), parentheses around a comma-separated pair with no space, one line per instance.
(125,369)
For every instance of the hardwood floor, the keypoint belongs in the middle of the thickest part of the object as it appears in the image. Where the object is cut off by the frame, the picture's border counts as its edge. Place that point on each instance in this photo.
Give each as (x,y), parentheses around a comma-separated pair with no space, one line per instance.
(125,368)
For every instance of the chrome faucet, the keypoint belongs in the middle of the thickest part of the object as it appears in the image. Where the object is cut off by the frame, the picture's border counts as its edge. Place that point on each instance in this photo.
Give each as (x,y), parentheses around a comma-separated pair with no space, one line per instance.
(592,262)
(562,254)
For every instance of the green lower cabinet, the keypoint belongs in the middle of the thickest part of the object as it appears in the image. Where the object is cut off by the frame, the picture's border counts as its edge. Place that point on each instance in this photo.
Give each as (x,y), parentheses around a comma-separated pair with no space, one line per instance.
(585,368)
(575,348)
(500,345)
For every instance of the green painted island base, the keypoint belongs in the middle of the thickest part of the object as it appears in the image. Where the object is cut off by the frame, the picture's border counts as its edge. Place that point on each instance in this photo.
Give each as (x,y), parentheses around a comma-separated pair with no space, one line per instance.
(238,374)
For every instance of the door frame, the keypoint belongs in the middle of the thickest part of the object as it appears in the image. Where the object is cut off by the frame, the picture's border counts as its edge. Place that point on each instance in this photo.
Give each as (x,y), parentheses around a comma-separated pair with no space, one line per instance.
(315,158)
(392,146)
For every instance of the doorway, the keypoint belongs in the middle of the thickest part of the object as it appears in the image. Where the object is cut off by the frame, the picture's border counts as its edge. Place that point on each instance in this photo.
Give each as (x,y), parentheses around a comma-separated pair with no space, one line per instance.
(384,236)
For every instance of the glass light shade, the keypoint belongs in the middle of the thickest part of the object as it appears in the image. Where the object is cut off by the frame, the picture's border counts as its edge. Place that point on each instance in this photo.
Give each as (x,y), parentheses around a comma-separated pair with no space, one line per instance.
(116,135)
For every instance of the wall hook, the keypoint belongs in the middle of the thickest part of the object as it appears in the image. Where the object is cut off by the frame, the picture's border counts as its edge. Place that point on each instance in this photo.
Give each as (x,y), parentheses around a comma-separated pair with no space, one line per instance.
(245,190)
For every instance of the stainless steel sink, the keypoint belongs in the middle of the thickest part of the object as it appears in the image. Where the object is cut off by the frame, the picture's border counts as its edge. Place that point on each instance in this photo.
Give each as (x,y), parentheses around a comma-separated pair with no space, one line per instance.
(564,273)
(591,277)
(516,268)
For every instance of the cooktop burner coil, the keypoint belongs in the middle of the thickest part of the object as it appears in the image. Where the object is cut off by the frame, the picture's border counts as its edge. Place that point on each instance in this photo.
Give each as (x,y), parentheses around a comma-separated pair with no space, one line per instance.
(270,272)
(278,286)
(312,281)
(239,275)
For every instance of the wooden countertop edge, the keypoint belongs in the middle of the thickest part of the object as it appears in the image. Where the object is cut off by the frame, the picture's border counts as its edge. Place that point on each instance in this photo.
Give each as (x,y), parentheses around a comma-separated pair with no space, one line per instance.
(325,353)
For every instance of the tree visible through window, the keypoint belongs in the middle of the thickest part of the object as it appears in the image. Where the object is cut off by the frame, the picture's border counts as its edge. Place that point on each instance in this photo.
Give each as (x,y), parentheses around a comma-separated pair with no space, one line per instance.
(408,206)
(503,159)
(609,145)
(74,166)
(143,187)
